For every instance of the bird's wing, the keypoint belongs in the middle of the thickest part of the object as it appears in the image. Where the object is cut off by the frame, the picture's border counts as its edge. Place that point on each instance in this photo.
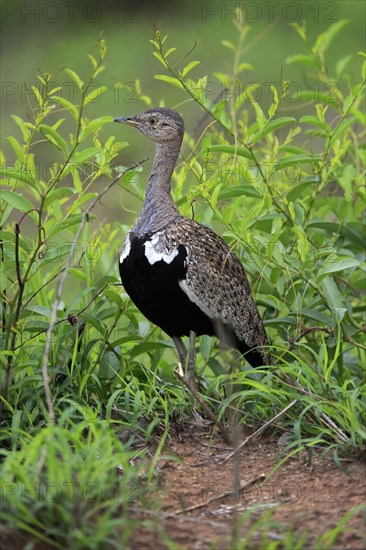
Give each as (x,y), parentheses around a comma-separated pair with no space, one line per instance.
(216,281)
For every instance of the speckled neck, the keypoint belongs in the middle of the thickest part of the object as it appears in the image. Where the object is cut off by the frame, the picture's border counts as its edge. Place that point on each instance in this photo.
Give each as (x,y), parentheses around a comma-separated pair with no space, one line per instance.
(159,208)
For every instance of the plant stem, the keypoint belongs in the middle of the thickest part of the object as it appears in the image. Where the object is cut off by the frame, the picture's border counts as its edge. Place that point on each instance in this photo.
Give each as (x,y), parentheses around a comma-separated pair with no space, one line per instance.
(59,290)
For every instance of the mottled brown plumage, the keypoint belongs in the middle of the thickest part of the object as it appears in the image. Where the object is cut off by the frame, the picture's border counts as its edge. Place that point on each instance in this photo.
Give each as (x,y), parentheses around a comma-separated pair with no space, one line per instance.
(179,273)
(217,283)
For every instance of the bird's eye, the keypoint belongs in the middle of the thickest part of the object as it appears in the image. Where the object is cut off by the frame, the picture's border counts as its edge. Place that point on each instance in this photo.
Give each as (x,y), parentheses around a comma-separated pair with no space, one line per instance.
(153,121)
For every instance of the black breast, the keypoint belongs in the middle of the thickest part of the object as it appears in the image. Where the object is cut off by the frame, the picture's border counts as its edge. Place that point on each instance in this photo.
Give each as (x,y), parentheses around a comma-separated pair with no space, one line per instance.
(154,289)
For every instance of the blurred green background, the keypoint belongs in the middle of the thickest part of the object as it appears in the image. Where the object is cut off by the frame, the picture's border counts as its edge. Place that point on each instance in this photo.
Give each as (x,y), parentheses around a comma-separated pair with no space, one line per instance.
(51,35)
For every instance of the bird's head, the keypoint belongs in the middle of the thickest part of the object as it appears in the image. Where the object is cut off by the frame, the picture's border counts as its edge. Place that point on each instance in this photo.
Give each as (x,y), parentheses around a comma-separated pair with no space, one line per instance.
(160,124)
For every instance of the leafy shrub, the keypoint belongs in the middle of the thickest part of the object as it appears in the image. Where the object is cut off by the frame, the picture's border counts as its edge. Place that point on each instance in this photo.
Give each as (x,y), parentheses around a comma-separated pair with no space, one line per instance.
(53,483)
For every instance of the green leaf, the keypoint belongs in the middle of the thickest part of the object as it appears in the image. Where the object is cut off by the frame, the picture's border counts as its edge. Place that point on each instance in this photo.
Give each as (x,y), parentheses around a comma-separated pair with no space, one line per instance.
(68,105)
(245,67)
(146,347)
(342,64)
(228,44)
(304,59)
(351,233)
(315,96)
(329,266)
(324,39)
(229,149)
(80,200)
(15,200)
(93,61)
(54,137)
(244,190)
(41,310)
(78,273)
(21,124)
(114,297)
(5,213)
(97,123)
(346,181)
(274,106)
(281,321)
(292,150)
(18,149)
(316,315)
(342,128)
(77,182)
(298,190)
(334,299)
(95,94)
(160,58)
(169,51)
(71,220)
(37,93)
(57,194)
(170,80)
(75,77)
(274,125)
(309,119)
(302,242)
(17,174)
(189,67)
(83,156)
(297,159)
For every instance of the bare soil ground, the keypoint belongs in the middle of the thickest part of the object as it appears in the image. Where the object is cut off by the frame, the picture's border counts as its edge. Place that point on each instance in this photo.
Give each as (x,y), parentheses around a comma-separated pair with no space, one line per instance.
(196,507)
(199,510)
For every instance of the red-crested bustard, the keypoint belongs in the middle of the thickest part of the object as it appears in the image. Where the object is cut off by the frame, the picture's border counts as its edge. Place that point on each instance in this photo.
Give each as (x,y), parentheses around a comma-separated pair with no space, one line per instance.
(179,273)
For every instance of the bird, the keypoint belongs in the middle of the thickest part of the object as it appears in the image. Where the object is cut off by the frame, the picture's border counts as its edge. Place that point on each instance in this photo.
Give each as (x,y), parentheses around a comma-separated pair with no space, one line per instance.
(179,273)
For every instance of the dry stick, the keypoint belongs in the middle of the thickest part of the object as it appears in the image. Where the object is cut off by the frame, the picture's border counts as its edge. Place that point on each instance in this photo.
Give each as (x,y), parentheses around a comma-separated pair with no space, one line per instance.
(203,404)
(60,286)
(260,430)
(16,315)
(222,495)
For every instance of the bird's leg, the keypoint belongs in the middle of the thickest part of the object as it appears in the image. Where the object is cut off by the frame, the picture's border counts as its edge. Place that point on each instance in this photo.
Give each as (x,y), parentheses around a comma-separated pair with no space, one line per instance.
(191,357)
(189,380)
(182,352)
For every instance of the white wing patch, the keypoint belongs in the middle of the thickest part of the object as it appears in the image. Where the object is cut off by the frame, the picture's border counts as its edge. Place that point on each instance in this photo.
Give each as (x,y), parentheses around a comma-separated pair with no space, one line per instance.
(156,251)
(125,250)
(154,256)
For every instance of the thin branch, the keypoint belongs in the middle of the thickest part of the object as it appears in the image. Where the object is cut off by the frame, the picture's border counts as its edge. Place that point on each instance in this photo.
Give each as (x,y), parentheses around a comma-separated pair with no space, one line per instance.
(260,430)
(42,287)
(222,495)
(16,315)
(308,330)
(59,290)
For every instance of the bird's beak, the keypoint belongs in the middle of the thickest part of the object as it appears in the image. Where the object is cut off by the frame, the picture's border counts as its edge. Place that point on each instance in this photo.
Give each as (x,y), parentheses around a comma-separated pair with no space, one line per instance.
(127,120)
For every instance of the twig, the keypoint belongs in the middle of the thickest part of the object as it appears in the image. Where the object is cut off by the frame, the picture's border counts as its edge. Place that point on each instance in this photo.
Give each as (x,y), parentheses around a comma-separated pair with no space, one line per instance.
(16,315)
(60,286)
(308,330)
(42,287)
(222,495)
(260,430)
(3,292)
